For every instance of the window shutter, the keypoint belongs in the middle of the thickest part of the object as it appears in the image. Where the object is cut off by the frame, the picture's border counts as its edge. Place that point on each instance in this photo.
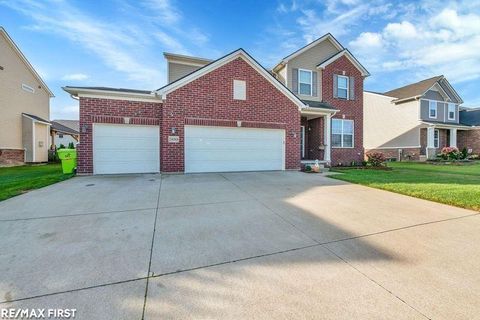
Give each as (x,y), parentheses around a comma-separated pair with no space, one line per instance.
(351,86)
(314,84)
(295,80)
(335,86)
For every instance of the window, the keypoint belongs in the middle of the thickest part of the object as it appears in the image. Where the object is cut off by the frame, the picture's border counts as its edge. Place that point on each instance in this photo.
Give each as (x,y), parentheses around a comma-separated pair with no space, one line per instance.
(60,135)
(342,133)
(451,111)
(342,87)
(432,109)
(28,88)
(239,90)
(436,138)
(305,82)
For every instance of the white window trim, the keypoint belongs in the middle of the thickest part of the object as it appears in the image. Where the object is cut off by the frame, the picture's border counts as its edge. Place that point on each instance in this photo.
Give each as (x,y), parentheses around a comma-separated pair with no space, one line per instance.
(239,90)
(347,88)
(430,103)
(436,145)
(311,82)
(448,110)
(342,134)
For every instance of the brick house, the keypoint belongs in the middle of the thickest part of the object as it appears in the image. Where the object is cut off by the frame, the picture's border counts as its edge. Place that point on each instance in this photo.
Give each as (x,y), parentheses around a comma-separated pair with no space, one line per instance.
(230,114)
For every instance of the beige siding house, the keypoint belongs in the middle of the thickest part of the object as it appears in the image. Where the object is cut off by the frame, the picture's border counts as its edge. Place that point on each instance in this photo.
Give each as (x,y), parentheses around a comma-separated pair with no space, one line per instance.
(24,107)
(413,122)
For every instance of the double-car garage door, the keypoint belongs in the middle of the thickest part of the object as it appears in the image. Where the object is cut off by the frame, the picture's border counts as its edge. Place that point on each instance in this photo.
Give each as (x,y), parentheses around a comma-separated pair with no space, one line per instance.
(136,149)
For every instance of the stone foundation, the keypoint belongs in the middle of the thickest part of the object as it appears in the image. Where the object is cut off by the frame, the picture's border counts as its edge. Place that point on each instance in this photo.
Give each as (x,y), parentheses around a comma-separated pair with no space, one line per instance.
(11,157)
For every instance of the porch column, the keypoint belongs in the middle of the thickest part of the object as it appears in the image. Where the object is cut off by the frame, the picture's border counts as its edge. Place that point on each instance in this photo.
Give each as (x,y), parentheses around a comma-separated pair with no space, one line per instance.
(430,142)
(327,136)
(453,137)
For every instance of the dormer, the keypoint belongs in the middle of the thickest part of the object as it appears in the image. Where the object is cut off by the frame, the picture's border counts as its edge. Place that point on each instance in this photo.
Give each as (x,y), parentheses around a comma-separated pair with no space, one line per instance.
(179,65)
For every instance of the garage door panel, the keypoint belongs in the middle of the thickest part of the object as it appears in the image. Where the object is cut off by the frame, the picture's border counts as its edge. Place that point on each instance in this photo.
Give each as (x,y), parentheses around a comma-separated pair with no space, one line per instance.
(126,149)
(217,149)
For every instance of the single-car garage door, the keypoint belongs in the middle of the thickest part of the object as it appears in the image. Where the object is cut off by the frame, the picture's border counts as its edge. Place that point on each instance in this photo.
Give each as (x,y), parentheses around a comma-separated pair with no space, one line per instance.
(119,148)
(222,149)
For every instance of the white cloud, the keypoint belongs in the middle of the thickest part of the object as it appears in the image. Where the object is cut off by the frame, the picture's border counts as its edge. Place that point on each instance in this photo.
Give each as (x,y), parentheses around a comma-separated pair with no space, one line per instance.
(164,11)
(443,41)
(400,31)
(75,77)
(367,41)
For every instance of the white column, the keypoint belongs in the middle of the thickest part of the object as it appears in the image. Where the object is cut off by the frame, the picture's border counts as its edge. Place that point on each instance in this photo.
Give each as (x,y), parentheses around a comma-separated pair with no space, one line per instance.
(327,137)
(453,137)
(430,137)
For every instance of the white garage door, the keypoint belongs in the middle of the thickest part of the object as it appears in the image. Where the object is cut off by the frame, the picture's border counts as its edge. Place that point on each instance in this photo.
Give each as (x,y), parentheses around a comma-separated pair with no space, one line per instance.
(119,148)
(220,149)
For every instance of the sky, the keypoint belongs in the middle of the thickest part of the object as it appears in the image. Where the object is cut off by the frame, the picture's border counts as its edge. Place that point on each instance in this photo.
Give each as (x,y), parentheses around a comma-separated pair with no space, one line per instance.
(120,43)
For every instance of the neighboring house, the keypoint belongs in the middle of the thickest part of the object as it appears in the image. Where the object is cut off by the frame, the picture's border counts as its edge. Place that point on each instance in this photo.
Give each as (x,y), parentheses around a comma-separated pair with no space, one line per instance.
(24,107)
(413,122)
(64,132)
(470,139)
(230,114)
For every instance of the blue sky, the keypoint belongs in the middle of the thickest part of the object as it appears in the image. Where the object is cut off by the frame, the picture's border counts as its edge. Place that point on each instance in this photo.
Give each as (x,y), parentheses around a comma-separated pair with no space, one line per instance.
(119,43)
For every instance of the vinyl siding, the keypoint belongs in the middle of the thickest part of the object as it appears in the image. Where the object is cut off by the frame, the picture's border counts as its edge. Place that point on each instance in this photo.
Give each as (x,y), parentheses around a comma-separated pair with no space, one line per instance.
(177,71)
(309,60)
(14,100)
(389,125)
(442,110)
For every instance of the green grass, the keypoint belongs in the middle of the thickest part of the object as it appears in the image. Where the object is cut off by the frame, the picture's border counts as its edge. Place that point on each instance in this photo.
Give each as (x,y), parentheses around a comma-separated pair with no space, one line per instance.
(18,180)
(449,184)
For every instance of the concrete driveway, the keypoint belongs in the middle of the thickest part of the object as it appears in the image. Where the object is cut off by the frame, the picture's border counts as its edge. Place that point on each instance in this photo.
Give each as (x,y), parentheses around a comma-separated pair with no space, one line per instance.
(237,245)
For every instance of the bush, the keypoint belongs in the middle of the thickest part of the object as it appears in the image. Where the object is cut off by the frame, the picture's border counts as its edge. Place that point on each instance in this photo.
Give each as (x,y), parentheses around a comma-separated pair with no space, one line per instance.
(450,153)
(464,154)
(71,145)
(376,159)
(61,146)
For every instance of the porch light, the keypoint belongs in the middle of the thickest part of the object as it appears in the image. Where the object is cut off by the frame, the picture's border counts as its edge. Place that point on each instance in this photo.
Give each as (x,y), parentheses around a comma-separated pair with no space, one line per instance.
(84,128)
(173,130)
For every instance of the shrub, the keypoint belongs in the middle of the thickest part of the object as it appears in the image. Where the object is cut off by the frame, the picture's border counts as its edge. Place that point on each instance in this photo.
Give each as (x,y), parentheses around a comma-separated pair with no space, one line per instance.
(474,157)
(376,159)
(61,146)
(464,154)
(71,145)
(450,153)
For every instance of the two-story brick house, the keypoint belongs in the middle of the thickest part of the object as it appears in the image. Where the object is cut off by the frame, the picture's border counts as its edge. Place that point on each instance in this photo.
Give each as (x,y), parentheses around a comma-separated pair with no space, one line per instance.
(229,114)
(415,121)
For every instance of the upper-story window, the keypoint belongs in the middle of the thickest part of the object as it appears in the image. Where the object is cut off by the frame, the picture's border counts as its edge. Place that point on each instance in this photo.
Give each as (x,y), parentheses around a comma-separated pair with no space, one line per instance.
(432,109)
(342,87)
(305,82)
(451,111)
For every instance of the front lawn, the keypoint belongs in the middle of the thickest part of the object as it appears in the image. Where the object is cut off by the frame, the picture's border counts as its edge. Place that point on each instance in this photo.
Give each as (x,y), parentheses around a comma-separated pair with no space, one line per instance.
(449,184)
(17,180)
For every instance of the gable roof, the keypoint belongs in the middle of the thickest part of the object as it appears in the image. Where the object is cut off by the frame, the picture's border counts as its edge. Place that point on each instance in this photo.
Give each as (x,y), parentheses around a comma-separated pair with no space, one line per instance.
(312,44)
(418,89)
(414,89)
(239,53)
(67,126)
(349,55)
(25,61)
(470,117)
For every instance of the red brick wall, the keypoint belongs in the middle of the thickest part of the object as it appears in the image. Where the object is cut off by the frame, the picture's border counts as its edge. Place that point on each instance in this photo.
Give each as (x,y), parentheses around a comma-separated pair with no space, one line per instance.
(349,109)
(94,110)
(12,156)
(209,100)
(469,139)
(407,154)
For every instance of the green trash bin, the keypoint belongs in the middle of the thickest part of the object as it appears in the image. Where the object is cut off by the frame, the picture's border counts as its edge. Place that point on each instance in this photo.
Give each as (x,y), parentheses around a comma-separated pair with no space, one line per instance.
(69,159)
